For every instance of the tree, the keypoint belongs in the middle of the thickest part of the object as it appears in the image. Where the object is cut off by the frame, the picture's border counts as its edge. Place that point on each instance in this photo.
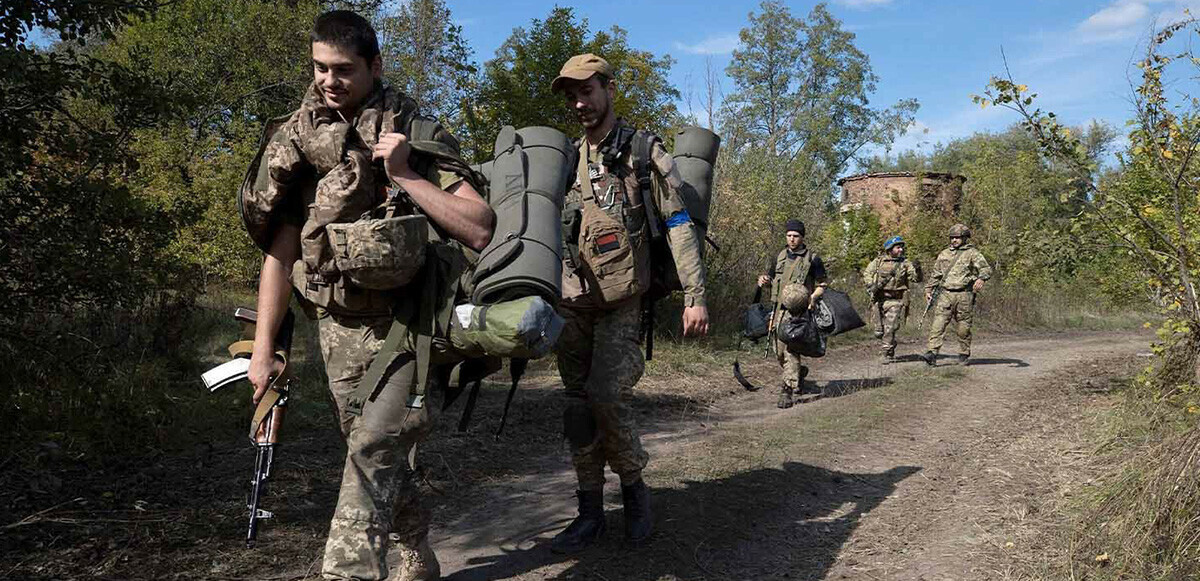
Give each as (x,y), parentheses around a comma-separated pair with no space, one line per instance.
(516,87)
(1149,209)
(425,54)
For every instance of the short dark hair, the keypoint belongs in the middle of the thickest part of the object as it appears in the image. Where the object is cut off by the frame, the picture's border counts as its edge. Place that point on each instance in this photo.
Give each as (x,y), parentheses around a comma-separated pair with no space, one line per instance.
(347,30)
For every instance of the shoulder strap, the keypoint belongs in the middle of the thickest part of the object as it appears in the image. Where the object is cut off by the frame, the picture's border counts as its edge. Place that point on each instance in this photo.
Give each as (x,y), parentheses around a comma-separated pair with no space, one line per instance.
(640,151)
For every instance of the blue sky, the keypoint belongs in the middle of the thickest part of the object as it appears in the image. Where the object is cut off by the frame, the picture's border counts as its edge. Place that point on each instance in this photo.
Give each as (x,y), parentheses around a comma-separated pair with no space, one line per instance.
(1076,55)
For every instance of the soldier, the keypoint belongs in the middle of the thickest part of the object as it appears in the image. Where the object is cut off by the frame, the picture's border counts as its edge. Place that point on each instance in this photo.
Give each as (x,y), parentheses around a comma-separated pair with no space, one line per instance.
(957,275)
(888,278)
(796,263)
(325,165)
(606,272)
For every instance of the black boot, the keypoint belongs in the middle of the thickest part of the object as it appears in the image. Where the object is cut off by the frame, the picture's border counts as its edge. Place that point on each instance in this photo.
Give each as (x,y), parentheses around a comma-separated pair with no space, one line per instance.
(587,528)
(930,358)
(639,521)
(785,398)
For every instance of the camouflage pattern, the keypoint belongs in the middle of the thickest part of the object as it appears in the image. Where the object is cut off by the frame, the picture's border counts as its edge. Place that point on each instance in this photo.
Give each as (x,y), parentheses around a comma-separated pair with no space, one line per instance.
(790,363)
(889,317)
(378,502)
(888,280)
(794,297)
(380,254)
(600,360)
(618,196)
(316,170)
(965,265)
(956,270)
(960,231)
(795,268)
(952,305)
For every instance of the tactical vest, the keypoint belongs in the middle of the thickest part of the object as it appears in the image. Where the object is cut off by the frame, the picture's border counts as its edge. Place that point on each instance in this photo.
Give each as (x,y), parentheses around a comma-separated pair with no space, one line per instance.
(342,185)
(609,260)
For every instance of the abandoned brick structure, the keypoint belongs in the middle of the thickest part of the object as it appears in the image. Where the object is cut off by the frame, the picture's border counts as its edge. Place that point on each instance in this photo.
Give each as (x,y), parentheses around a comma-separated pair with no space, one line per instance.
(894,194)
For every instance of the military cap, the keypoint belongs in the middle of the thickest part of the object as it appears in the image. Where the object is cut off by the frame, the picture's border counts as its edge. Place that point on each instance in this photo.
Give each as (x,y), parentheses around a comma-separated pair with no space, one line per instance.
(581,67)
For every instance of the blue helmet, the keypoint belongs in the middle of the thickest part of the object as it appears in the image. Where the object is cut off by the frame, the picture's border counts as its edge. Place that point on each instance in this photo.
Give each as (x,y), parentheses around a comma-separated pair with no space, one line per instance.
(891,242)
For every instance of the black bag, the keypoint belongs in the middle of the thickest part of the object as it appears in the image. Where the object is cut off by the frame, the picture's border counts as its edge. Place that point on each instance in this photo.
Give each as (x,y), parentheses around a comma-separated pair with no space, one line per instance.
(801,335)
(757,318)
(834,313)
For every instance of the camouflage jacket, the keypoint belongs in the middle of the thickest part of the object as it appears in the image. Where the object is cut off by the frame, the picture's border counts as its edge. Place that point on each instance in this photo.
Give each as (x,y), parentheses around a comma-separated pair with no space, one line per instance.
(615,189)
(315,168)
(957,269)
(888,277)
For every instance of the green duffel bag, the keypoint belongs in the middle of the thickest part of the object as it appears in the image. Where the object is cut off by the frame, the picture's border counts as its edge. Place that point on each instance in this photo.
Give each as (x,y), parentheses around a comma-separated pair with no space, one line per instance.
(524,328)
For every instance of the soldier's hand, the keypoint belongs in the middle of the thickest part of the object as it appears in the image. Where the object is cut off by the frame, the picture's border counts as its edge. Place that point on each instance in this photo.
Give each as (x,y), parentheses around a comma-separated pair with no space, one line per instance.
(978,286)
(264,367)
(695,321)
(393,149)
(763,280)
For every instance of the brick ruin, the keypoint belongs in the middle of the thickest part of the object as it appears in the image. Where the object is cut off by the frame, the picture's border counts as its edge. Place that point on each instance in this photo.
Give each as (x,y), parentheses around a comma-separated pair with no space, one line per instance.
(895,194)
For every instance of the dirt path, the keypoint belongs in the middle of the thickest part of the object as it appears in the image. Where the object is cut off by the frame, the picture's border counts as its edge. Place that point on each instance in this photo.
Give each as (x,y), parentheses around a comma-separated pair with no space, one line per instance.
(900,472)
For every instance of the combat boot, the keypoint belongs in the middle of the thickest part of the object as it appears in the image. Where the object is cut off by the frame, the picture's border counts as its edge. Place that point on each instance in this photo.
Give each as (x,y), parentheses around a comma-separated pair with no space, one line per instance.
(639,521)
(930,358)
(963,358)
(587,528)
(785,397)
(418,563)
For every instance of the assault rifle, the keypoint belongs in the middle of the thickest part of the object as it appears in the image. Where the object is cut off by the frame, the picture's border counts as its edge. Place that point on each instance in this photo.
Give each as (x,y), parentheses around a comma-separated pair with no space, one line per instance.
(933,298)
(268,416)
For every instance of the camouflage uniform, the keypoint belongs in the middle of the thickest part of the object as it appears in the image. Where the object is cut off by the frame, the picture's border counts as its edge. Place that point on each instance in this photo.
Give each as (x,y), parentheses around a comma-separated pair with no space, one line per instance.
(888,279)
(804,267)
(599,354)
(316,170)
(955,271)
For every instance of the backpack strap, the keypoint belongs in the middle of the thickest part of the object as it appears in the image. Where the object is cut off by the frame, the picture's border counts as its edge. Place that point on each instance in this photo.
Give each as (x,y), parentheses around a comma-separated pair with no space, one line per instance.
(640,149)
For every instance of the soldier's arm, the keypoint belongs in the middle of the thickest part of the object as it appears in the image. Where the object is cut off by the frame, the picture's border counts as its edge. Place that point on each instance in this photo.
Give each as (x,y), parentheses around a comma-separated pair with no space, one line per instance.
(682,235)
(935,277)
(983,270)
(869,274)
(274,292)
(457,208)
(820,279)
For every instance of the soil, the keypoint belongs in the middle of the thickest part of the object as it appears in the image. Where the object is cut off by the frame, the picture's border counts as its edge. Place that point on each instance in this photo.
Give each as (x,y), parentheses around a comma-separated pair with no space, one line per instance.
(885,472)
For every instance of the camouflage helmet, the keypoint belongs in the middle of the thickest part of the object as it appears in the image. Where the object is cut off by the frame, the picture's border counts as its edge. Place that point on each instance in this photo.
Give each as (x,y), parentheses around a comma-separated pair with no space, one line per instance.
(960,231)
(794,298)
(380,254)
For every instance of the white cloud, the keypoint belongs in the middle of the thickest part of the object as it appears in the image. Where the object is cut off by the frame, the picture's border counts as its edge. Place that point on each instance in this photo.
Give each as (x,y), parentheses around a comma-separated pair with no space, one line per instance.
(712,45)
(1116,21)
(863,4)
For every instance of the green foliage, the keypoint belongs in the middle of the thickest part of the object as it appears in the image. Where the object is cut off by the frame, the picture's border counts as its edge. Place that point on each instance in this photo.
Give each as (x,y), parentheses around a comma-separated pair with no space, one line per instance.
(851,241)
(516,87)
(798,116)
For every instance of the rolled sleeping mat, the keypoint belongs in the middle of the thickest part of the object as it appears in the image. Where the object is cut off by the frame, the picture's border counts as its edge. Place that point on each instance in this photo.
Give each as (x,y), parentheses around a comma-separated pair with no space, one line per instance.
(695,155)
(529,179)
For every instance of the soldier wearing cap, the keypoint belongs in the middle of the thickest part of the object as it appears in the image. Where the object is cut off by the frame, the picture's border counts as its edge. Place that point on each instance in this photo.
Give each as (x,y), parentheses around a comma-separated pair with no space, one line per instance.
(317,173)
(888,278)
(795,264)
(606,272)
(959,272)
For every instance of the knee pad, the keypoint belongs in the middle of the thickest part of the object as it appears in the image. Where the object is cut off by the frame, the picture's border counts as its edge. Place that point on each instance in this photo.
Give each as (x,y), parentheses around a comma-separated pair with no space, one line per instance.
(579,426)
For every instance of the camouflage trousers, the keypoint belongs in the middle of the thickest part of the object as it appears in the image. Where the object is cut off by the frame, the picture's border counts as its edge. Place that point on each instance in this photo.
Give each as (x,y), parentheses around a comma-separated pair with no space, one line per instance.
(378,502)
(789,362)
(957,306)
(889,315)
(600,360)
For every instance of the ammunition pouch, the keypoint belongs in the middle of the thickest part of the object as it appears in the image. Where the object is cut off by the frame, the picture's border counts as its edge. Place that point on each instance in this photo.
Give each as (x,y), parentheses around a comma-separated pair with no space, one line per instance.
(379,254)
(610,257)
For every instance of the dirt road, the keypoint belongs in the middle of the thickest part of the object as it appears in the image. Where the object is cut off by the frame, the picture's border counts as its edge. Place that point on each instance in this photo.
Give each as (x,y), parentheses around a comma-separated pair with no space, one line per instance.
(899,472)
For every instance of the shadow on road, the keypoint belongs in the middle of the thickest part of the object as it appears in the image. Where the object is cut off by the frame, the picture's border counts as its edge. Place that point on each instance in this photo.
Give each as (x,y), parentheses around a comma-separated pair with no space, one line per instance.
(758,524)
(840,387)
(996,361)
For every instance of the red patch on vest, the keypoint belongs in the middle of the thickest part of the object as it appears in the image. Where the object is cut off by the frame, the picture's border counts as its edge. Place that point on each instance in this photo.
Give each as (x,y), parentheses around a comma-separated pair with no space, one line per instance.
(607,243)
